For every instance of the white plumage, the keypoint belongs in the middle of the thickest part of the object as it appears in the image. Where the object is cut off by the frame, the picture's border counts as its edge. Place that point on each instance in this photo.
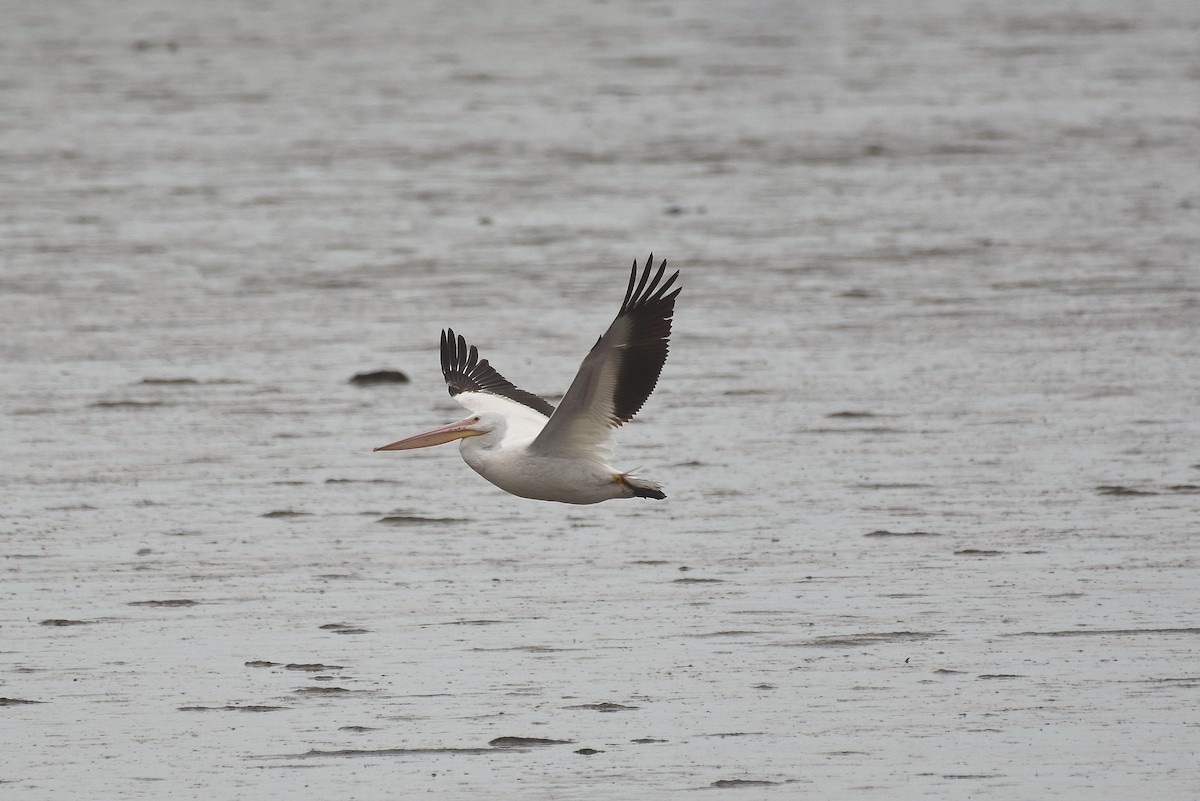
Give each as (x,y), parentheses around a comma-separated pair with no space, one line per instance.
(525,446)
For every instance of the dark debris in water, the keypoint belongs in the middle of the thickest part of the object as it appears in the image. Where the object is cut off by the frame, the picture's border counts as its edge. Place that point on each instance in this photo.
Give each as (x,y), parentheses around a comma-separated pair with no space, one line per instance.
(603,706)
(261,663)
(54,621)
(127,404)
(377,377)
(169,602)
(417,520)
(285,514)
(525,742)
(885,533)
(977,552)
(587,751)
(872,638)
(729,783)
(343,628)
(385,752)
(314,667)
(321,691)
(1118,490)
(233,708)
(18,701)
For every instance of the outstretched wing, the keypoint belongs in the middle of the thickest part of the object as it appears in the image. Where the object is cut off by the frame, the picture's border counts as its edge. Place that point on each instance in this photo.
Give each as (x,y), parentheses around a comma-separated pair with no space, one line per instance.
(619,373)
(466,372)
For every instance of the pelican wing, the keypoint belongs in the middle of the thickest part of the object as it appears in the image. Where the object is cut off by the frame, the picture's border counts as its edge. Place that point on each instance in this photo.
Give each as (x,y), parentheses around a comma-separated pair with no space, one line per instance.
(619,373)
(466,372)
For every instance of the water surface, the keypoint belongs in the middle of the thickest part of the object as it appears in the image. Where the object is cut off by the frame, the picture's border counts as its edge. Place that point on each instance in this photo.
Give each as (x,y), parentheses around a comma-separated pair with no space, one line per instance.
(928,427)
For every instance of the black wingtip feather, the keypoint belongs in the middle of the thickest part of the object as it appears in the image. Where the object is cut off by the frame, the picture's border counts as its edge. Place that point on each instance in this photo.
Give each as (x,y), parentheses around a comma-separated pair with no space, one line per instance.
(632,279)
(649,309)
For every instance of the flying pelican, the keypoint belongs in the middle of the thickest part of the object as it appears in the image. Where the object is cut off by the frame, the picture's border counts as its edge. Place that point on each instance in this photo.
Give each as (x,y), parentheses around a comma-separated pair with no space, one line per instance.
(525,446)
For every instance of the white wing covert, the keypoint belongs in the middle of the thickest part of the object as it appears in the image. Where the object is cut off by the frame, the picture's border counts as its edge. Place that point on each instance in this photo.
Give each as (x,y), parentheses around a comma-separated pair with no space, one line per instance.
(619,372)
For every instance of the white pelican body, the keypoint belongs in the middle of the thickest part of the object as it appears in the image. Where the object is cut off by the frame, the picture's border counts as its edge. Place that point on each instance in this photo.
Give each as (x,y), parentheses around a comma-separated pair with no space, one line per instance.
(525,446)
(504,457)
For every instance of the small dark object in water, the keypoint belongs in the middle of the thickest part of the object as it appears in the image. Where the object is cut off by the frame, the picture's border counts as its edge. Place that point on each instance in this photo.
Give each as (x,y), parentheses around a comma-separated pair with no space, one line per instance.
(233,708)
(342,628)
(742,783)
(311,667)
(604,706)
(167,602)
(1116,489)
(524,742)
(374,377)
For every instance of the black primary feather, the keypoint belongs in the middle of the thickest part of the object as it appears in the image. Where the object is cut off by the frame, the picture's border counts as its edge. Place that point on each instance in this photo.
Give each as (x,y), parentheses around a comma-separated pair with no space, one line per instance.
(466,372)
(648,309)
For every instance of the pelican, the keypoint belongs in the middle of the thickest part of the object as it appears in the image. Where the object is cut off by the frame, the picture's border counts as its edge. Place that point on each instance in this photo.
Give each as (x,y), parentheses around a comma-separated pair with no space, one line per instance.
(525,446)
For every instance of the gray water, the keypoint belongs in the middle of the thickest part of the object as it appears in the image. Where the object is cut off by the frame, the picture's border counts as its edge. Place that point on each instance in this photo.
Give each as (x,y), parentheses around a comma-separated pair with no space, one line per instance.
(929,426)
